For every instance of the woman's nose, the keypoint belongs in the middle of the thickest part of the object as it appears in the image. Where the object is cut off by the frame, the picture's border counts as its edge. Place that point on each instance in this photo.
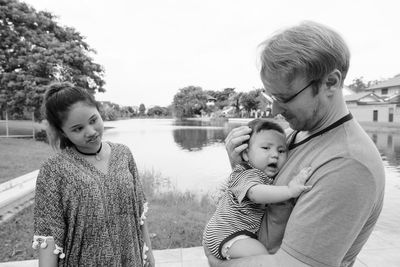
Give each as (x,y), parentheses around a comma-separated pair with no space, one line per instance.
(90,131)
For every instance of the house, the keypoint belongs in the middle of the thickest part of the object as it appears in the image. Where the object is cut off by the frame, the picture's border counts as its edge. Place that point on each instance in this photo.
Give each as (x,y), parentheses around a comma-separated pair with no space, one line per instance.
(386,88)
(211,100)
(369,106)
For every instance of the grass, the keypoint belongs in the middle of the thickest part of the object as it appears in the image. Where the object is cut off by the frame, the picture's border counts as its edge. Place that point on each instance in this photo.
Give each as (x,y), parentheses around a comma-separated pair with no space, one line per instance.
(176,219)
(19,156)
(19,127)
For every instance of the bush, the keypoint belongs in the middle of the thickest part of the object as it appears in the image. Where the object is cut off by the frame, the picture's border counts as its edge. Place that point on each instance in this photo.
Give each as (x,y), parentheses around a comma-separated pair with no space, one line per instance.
(41,136)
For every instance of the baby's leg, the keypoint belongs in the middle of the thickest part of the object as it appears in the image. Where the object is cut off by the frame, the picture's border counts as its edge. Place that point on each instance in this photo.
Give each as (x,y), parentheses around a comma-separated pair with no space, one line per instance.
(244,247)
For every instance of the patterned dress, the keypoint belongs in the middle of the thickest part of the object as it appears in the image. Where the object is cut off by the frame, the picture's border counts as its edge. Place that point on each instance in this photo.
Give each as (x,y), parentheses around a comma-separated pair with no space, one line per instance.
(236,214)
(94,217)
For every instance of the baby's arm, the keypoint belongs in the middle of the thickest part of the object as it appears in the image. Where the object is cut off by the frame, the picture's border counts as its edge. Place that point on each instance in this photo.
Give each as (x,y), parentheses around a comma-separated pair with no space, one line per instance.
(264,194)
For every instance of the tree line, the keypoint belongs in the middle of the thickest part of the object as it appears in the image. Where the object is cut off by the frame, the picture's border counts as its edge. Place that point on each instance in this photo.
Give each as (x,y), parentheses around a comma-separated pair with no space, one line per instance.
(35,51)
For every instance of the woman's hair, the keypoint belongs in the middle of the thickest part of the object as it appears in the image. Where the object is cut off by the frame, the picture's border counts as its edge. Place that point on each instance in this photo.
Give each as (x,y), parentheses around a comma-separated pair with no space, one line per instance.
(309,49)
(258,125)
(57,101)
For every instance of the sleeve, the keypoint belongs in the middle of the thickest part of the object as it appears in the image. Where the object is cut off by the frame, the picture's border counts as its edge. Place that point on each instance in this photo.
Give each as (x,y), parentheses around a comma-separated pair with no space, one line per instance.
(326,221)
(242,180)
(48,211)
(140,197)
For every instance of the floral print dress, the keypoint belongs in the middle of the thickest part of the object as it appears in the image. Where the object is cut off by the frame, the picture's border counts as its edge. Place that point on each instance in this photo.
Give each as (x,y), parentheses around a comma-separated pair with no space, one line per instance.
(94,217)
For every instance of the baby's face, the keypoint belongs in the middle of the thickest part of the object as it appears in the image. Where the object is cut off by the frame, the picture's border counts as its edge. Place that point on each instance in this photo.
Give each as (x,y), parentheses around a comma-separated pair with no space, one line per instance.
(267,151)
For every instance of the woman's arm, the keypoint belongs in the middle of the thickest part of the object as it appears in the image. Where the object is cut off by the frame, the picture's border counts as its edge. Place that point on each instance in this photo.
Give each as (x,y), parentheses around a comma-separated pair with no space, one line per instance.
(150,261)
(47,258)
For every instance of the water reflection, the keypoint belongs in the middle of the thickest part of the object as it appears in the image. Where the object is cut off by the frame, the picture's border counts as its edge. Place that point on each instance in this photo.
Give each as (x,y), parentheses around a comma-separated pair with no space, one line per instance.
(194,135)
(388,144)
(191,154)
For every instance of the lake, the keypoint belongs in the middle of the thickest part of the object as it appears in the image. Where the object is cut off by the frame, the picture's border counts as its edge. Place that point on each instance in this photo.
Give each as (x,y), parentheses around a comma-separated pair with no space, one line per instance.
(190,156)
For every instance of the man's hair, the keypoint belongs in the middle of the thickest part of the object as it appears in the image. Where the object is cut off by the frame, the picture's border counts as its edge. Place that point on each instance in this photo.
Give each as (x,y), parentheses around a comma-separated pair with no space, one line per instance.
(310,49)
(258,125)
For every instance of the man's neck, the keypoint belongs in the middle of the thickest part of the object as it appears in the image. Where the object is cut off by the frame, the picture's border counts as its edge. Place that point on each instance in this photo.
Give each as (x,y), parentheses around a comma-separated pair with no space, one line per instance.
(339,111)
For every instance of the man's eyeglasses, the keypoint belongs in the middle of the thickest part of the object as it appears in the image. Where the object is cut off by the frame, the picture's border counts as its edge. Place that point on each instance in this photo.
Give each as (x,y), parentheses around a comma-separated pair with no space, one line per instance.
(284,101)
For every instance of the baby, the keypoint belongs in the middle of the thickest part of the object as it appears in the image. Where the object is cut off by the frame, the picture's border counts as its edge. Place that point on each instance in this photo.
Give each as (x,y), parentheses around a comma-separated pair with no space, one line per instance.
(231,231)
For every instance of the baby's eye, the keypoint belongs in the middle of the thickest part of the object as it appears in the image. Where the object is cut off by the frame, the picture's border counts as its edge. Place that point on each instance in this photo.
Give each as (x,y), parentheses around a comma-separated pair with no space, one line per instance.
(282,151)
(77,130)
(92,121)
(266,147)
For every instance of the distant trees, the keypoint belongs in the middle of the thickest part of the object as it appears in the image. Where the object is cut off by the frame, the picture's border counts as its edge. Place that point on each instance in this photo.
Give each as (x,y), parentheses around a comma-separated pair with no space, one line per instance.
(34,51)
(358,84)
(189,101)
(142,109)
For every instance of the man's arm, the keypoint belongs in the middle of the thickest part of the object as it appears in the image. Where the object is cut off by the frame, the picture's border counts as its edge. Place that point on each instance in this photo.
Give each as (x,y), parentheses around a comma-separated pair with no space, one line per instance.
(281,258)
(236,142)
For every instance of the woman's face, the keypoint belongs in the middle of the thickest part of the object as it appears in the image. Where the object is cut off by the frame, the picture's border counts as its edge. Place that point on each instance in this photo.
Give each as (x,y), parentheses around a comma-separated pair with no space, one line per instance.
(84,127)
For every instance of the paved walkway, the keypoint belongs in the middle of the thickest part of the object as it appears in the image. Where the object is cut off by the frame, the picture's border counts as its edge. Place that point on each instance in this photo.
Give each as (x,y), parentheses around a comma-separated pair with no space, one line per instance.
(382,248)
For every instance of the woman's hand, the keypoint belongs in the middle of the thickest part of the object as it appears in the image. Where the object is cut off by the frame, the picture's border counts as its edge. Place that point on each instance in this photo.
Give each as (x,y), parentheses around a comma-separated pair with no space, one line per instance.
(150,261)
(236,142)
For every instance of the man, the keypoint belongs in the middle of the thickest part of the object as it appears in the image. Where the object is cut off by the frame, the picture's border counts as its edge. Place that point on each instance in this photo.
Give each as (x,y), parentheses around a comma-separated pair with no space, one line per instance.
(303,69)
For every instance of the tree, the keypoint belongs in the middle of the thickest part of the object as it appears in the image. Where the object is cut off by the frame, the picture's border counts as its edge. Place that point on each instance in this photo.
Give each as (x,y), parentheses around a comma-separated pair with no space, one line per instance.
(234,101)
(358,85)
(250,100)
(157,111)
(189,101)
(142,109)
(35,51)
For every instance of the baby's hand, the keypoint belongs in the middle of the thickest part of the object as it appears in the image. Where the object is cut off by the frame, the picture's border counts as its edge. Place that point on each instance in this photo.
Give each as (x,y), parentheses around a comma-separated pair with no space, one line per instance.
(296,185)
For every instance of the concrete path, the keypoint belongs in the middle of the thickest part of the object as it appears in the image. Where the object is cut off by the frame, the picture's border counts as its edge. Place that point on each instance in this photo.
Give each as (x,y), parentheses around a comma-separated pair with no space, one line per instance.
(382,248)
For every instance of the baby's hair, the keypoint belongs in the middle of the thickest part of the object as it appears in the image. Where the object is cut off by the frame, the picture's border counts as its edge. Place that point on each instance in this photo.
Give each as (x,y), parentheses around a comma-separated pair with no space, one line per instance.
(258,125)
(57,101)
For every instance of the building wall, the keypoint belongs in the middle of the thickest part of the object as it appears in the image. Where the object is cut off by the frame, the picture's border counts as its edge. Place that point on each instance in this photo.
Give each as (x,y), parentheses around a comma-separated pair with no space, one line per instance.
(391,91)
(365,112)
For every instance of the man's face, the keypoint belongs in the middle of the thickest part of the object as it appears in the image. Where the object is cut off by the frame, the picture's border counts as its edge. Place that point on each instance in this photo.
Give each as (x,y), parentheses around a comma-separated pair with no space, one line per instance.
(296,102)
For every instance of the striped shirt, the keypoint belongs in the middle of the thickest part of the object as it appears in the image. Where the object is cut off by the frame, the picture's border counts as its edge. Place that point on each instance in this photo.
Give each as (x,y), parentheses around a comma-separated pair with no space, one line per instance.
(236,214)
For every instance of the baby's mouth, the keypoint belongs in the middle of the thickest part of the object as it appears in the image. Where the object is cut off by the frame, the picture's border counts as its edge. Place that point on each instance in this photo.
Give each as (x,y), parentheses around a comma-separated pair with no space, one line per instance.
(272,165)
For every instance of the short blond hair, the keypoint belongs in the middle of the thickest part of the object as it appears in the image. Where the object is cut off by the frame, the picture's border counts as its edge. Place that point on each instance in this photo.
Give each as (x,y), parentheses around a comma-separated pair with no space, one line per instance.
(309,49)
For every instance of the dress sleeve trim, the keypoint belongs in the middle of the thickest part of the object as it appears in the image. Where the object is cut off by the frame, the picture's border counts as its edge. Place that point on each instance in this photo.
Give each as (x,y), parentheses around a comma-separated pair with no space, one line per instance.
(40,241)
(144,213)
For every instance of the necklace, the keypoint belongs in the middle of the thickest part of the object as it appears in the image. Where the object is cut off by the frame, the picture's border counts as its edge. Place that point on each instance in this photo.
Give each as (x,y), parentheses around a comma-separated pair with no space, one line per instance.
(96,154)
(342,120)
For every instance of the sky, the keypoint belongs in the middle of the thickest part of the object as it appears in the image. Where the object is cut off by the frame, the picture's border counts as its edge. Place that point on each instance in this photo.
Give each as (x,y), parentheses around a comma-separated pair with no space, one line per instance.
(152,48)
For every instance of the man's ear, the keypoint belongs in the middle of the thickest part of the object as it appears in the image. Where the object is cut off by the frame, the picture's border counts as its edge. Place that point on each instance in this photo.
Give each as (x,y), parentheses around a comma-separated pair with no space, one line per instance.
(333,81)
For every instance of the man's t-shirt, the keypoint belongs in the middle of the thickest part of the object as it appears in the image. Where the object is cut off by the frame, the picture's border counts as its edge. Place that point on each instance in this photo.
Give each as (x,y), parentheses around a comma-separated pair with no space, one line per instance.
(328,225)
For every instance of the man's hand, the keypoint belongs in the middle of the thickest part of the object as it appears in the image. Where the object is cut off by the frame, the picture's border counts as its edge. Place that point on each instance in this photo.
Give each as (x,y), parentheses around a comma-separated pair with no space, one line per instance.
(235,143)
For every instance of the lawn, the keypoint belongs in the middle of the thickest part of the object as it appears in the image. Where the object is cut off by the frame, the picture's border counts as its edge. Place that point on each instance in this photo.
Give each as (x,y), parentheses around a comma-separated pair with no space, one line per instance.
(19,156)
(19,127)
(176,219)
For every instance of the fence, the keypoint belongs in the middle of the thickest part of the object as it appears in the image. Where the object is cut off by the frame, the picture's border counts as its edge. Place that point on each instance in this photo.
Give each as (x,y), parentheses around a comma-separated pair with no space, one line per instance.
(21,130)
